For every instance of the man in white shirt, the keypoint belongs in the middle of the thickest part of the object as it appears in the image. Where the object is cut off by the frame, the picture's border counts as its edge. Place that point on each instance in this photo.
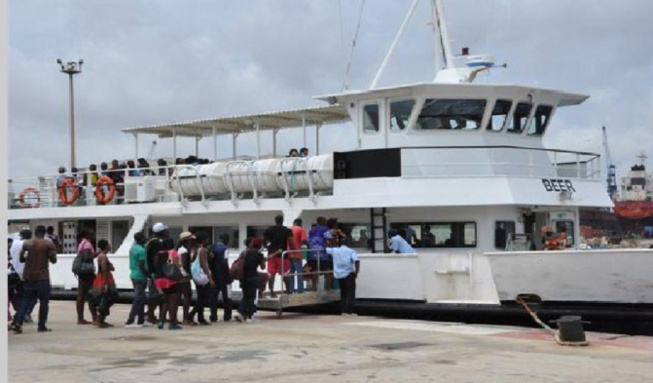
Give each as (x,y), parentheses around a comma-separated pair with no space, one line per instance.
(398,244)
(16,247)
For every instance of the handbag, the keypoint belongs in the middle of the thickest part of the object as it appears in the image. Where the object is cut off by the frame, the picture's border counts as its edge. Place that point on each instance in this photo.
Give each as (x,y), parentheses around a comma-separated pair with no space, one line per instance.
(172,272)
(13,279)
(199,276)
(152,292)
(237,269)
(82,266)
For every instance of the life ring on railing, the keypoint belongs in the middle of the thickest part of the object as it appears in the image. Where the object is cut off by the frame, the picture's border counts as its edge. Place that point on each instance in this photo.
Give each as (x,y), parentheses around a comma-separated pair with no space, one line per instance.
(63,196)
(104,199)
(24,192)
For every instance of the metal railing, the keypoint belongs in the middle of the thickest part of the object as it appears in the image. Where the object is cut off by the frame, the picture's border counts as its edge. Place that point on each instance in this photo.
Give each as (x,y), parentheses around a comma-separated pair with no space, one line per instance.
(44,191)
(291,276)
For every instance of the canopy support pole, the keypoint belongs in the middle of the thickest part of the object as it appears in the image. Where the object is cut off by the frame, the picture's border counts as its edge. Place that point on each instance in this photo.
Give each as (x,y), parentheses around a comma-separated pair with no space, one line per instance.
(258,141)
(174,145)
(274,142)
(317,139)
(215,144)
(304,128)
(233,145)
(136,146)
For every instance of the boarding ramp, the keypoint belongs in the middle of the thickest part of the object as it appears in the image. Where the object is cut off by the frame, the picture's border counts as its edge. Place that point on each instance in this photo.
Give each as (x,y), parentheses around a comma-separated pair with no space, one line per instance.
(312,295)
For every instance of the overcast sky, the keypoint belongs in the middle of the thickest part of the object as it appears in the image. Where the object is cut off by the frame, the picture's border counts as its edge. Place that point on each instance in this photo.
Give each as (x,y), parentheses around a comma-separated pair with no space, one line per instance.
(151,62)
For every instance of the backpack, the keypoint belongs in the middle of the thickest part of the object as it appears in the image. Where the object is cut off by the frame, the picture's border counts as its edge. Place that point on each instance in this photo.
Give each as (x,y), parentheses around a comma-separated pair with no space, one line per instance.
(199,276)
(237,269)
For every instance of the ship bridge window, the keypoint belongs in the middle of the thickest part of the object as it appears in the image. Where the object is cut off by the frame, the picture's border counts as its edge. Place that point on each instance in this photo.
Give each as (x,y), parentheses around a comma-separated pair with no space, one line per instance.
(400,114)
(499,115)
(540,120)
(438,234)
(519,118)
(371,118)
(451,114)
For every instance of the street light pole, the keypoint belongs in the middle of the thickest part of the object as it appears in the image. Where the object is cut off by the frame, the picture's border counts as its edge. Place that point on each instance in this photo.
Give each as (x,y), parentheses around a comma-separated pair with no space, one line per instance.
(71,68)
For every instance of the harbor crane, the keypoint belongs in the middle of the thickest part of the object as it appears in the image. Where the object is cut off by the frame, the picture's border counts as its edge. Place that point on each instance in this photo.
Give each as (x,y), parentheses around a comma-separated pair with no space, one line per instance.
(612,176)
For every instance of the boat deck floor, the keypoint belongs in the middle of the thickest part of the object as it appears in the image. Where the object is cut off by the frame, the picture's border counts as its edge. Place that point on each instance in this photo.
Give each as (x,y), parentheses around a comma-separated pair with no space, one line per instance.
(307,298)
(317,348)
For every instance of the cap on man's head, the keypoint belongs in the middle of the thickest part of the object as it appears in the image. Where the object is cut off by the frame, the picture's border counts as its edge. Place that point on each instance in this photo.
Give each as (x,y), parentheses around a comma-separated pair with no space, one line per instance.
(392,232)
(186,235)
(159,227)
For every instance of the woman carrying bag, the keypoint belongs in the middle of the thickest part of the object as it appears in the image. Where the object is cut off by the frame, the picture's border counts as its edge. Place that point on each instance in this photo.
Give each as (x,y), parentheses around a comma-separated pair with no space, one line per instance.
(168,274)
(104,292)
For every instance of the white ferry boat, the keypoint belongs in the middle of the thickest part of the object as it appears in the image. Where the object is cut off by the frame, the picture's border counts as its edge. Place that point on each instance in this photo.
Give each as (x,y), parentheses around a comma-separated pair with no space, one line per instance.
(460,167)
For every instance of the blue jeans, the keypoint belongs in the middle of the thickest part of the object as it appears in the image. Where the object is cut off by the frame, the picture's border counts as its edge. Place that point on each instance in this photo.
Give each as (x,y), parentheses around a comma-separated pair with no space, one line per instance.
(33,291)
(138,304)
(297,269)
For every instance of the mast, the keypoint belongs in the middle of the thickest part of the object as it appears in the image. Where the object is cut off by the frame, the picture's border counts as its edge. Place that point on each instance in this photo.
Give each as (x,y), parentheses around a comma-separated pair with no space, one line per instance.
(393,45)
(444,34)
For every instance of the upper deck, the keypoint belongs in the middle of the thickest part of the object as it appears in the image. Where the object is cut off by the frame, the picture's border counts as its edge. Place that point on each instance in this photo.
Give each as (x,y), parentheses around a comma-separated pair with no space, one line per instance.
(416,133)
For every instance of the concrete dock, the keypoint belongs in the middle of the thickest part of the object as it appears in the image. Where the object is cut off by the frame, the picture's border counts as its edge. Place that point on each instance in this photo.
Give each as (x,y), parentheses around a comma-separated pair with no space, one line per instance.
(316,348)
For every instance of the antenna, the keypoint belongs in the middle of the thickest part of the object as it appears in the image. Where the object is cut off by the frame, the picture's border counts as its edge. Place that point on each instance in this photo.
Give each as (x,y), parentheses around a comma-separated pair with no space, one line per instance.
(642,158)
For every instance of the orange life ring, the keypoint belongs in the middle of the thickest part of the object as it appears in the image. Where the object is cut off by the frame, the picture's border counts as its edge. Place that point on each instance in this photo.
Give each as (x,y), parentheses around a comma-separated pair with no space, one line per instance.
(24,192)
(103,199)
(63,196)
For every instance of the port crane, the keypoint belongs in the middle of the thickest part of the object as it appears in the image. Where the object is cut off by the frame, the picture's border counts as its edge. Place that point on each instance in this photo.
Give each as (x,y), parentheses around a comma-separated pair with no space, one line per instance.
(612,176)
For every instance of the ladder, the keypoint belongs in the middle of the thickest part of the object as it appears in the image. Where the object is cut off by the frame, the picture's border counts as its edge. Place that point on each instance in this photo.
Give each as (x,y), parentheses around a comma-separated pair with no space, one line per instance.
(379,225)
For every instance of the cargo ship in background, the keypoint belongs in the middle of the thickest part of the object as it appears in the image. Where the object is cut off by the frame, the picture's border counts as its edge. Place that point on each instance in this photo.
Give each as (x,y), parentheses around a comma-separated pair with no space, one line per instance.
(633,205)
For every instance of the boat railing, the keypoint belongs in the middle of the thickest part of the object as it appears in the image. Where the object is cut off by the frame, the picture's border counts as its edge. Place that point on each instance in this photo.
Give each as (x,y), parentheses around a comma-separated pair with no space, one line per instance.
(85,188)
(321,271)
(476,161)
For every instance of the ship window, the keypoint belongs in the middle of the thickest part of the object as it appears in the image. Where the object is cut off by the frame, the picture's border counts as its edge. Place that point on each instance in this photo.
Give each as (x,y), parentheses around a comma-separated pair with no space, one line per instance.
(540,120)
(502,229)
(119,231)
(451,114)
(499,115)
(371,118)
(519,118)
(231,231)
(438,234)
(400,114)
(357,235)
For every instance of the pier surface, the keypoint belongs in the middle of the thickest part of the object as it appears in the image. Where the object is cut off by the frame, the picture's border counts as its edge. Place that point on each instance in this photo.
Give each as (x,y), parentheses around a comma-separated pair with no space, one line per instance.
(316,348)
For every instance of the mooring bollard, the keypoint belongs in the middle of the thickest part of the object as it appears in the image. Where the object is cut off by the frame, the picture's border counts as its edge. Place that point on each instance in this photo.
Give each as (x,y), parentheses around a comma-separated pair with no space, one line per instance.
(570,329)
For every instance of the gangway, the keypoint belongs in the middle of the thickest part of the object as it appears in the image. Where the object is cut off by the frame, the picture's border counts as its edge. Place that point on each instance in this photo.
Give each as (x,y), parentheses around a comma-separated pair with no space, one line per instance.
(318,295)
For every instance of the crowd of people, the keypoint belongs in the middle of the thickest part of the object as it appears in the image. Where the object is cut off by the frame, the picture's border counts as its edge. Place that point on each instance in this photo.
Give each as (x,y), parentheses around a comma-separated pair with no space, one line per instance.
(162,272)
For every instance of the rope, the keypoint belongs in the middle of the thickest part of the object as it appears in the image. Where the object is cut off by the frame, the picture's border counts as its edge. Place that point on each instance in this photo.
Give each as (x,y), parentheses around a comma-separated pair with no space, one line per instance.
(556,334)
(534,315)
(345,84)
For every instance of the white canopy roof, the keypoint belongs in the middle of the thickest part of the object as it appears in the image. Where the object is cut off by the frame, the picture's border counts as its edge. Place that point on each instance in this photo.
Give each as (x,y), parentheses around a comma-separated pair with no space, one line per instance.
(321,115)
